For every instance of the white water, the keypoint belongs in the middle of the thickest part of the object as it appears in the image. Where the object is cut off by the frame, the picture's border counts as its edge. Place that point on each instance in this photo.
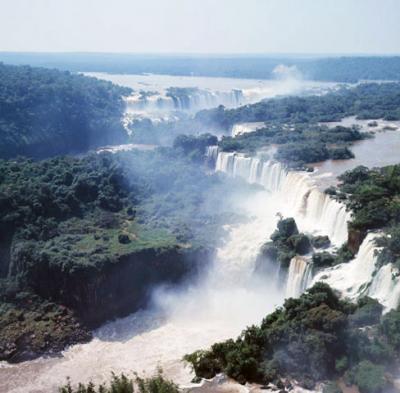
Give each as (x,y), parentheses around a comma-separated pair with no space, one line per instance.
(352,279)
(300,197)
(299,276)
(228,299)
(362,276)
(385,287)
(167,97)
(211,154)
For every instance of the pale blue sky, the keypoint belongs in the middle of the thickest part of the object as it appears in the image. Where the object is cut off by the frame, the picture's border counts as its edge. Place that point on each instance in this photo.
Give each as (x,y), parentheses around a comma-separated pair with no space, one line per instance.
(201,26)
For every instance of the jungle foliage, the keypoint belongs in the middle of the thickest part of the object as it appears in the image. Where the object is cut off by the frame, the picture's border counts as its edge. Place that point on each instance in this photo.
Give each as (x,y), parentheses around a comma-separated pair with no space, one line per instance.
(313,338)
(45,112)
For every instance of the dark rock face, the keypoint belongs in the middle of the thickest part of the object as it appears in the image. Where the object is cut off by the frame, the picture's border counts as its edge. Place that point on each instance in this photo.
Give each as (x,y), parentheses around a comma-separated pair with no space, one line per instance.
(62,305)
(355,239)
(117,287)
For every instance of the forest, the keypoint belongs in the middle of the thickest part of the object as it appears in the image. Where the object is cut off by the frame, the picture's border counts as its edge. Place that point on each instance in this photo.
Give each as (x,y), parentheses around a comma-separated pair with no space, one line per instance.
(313,338)
(115,224)
(46,112)
(365,100)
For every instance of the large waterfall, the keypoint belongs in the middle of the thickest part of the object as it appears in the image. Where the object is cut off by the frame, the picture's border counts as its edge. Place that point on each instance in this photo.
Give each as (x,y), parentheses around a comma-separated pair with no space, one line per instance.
(314,210)
(299,276)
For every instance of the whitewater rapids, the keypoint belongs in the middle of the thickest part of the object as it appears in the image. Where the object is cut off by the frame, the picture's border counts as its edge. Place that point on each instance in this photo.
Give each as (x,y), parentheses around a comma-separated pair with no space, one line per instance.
(226,300)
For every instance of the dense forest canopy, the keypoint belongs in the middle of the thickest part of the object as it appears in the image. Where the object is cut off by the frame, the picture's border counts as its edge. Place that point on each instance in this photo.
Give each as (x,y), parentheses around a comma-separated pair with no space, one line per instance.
(45,112)
(338,69)
(85,238)
(313,338)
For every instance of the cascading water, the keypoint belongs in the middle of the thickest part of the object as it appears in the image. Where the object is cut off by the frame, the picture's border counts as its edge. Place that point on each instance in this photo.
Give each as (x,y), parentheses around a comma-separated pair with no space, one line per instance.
(183,99)
(353,278)
(299,276)
(217,307)
(314,210)
(211,154)
(182,321)
(385,286)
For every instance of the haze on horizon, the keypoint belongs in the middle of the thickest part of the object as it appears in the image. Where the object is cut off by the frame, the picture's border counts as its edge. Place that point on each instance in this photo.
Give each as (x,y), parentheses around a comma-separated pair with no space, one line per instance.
(207,26)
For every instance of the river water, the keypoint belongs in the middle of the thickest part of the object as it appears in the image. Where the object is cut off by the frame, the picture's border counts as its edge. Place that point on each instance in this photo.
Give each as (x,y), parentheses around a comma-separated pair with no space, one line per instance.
(226,300)
(380,150)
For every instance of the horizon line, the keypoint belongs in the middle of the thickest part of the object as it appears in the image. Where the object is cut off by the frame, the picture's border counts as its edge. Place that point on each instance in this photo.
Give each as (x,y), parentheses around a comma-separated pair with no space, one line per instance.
(209,54)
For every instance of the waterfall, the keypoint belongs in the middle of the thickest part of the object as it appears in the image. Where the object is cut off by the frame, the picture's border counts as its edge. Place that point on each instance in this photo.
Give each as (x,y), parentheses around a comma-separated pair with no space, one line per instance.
(314,210)
(211,154)
(299,276)
(183,99)
(353,278)
(269,174)
(385,287)
(362,276)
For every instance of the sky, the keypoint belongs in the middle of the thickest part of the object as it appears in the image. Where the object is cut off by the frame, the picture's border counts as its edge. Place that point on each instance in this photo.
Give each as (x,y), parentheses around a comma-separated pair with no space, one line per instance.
(201,26)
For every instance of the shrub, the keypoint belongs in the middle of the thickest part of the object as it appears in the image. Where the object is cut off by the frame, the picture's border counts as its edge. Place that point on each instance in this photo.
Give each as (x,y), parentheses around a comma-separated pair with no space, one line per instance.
(320,241)
(369,377)
(122,384)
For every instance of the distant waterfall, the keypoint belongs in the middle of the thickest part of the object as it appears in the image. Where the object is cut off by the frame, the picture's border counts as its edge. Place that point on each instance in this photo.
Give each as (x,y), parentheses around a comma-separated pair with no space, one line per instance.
(183,99)
(314,210)
(299,276)
(211,154)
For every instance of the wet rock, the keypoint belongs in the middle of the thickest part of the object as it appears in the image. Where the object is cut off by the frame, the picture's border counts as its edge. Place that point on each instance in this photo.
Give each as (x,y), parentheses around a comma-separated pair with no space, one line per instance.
(355,239)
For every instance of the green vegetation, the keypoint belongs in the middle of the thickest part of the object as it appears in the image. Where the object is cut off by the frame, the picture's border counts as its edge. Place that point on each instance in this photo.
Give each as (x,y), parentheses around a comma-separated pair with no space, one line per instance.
(292,123)
(94,233)
(373,196)
(369,377)
(123,384)
(194,146)
(366,101)
(46,112)
(286,243)
(299,144)
(314,338)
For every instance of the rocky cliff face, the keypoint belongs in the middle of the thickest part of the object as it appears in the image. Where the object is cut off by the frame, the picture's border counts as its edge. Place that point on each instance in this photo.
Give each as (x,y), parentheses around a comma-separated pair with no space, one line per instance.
(115,287)
(59,304)
(355,238)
